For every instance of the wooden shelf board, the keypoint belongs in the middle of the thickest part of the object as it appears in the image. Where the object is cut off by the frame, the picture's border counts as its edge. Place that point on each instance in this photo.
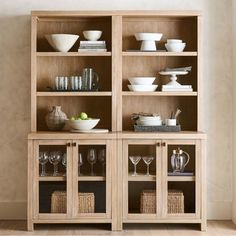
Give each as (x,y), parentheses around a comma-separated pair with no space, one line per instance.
(180,178)
(91,178)
(52,178)
(141,177)
(164,54)
(71,94)
(159,93)
(72,54)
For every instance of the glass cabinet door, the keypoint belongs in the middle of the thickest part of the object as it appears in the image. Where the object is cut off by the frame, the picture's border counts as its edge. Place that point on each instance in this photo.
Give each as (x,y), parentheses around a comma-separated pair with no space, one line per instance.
(52,166)
(92,179)
(181,178)
(141,180)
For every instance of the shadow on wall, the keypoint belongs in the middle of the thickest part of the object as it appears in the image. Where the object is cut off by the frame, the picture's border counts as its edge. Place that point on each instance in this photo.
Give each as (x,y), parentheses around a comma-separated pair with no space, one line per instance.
(14,105)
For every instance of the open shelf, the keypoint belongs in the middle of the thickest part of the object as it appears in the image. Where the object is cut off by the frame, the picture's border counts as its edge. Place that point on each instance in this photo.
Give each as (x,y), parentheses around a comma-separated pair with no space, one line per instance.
(159,93)
(72,94)
(73,54)
(161,54)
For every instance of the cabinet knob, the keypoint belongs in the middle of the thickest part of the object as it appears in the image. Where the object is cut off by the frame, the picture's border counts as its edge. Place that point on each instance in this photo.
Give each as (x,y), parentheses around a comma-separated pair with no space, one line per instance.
(163,144)
(158,144)
(74,144)
(68,144)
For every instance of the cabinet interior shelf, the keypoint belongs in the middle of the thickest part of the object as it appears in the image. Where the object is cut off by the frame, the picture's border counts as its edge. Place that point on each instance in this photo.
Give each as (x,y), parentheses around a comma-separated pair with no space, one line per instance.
(63,178)
(79,94)
(181,178)
(159,93)
(141,177)
(154,54)
(72,54)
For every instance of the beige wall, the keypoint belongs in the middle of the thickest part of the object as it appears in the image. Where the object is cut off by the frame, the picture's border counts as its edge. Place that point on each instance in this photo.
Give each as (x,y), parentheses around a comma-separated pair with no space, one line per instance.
(15,93)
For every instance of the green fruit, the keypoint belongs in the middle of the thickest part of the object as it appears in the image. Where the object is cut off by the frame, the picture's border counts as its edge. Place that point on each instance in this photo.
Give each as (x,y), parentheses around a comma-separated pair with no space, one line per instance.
(83,116)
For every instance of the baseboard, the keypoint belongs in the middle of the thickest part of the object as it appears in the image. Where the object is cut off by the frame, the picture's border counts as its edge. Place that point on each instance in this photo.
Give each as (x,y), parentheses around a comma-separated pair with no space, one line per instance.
(13,210)
(219,210)
(17,210)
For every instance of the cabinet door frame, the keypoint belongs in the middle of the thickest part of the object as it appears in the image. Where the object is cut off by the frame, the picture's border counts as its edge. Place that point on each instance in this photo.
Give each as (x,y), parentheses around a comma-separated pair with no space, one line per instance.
(132,217)
(89,217)
(197,181)
(35,164)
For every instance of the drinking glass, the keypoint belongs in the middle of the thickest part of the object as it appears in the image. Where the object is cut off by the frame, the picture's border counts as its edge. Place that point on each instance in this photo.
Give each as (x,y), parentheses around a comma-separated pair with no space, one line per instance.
(80,163)
(54,159)
(102,159)
(92,158)
(135,160)
(43,160)
(64,162)
(148,160)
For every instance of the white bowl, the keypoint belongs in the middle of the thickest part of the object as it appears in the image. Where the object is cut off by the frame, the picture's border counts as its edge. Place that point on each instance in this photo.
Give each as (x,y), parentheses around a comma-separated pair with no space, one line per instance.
(83,124)
(142,88)
(149,118)
(175,47)
(148,36)
(92,35)
(149,123)
(141,80)
(174,41)
(62,42)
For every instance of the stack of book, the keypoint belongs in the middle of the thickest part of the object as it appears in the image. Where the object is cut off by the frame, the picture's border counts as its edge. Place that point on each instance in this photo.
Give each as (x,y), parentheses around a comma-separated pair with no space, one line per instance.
(181,88)
(92,46)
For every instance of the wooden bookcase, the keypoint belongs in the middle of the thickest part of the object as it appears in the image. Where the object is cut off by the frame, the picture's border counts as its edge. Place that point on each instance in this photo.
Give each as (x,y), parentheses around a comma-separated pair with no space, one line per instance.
(117,194)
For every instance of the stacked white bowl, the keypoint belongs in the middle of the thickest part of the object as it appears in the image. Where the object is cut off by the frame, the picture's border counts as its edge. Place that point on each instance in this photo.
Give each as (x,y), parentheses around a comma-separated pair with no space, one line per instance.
(149,120)
(175,45)
(142,84)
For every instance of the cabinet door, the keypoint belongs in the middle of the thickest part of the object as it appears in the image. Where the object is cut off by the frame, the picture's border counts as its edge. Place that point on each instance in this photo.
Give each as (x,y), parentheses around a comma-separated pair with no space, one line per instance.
(52,168)
(92,180)
(181,187)
(141,180)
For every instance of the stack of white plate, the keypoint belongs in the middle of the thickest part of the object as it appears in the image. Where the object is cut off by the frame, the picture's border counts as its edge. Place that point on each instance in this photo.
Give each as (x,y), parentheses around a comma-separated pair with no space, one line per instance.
(175,45)
(142,84)
(149,120)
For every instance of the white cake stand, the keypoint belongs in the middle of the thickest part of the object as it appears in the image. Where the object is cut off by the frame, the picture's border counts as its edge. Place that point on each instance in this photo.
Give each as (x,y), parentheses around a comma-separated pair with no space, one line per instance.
(148,40)
(173,77)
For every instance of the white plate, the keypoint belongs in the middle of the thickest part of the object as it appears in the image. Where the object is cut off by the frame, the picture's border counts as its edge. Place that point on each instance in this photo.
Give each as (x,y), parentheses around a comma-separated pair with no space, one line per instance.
(148,36)
(173,72)
(142,88)
(90,131)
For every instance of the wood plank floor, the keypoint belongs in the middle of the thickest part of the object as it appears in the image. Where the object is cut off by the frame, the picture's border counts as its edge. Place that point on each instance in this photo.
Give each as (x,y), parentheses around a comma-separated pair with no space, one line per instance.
(215,228)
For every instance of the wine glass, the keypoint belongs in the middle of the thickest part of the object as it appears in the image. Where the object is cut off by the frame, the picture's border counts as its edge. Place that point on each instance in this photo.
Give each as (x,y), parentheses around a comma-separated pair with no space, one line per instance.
(64,162)
(43,160)
(80,163)
(135,160)
(102,159)
(55,158)
(148,160)
(92,158)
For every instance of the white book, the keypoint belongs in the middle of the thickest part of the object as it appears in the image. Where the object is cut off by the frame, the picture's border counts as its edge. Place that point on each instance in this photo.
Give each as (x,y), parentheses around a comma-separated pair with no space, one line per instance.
(176,87)
(92,42)
(92,50)
(177,90)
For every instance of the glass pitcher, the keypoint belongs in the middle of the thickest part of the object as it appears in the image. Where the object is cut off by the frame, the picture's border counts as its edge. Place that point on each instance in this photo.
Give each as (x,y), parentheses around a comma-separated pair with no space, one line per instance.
(179,160)
(90,80)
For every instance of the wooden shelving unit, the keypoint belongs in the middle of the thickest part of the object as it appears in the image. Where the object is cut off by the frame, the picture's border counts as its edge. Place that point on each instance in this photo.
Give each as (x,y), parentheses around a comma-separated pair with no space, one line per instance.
(117,193)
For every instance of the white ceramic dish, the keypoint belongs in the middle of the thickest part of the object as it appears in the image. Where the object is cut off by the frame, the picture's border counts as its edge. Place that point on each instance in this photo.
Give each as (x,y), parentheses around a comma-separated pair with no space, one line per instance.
(141,80)
(92,35)
(83,124)
(149,123)
(149,118)
(175,47)
(142,88)
(97,131)
(148,36)
(173,73)
(62,42)
(174,41)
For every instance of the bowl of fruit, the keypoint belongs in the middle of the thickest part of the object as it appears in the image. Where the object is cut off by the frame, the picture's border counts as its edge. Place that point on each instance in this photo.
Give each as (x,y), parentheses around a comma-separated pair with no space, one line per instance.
(82,122)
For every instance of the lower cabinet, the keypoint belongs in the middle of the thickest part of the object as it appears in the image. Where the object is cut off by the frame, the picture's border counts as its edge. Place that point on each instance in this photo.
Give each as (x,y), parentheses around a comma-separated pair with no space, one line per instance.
(116,181)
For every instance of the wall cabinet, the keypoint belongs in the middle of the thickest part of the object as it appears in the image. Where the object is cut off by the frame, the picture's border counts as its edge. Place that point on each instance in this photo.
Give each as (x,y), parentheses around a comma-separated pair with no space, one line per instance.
(77,189)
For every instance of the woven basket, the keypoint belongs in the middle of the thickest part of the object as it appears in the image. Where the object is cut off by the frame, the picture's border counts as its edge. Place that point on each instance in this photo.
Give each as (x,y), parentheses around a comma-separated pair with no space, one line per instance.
(86,202)
(175,202)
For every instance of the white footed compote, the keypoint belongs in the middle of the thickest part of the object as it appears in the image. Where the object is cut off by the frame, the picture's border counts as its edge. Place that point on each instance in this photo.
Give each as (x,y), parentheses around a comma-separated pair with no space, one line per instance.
(135,160)
(148,40)
(173,77)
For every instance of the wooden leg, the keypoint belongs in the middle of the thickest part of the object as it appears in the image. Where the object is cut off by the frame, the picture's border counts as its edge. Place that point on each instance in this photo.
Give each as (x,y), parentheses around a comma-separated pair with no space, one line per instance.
(30,225)
(204,225)
(116,227)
